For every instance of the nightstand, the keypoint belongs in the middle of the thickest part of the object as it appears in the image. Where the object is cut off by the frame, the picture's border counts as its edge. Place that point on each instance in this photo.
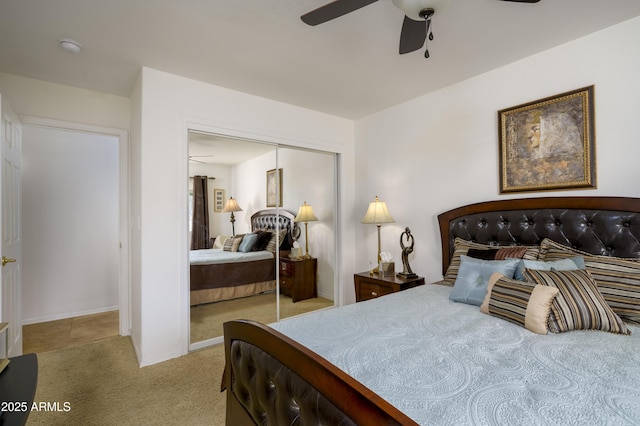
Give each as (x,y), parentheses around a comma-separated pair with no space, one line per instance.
(370,286)
(298,278)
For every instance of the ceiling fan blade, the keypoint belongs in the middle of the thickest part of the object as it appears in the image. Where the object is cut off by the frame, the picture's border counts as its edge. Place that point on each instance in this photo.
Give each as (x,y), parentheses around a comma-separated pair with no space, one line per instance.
(333,10)
(524,1)
(413,35)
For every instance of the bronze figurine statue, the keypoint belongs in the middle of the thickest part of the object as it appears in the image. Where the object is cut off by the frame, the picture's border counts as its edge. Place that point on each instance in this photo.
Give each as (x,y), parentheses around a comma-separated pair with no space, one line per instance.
(406,251)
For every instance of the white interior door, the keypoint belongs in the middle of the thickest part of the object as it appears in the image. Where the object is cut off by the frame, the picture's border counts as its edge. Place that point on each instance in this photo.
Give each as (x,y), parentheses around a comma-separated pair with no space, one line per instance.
(11,306)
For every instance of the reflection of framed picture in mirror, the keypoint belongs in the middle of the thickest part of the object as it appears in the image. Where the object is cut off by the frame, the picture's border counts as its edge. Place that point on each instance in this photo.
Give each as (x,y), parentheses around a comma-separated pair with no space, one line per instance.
(274,188)
(218,200)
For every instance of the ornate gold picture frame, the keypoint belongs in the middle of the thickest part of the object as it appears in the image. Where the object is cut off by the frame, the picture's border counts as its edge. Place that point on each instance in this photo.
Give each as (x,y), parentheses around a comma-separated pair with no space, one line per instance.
(548,144)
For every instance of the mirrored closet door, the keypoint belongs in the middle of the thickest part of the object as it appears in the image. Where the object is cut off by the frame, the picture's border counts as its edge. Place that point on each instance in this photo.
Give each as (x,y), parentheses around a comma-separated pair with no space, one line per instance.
(262,232)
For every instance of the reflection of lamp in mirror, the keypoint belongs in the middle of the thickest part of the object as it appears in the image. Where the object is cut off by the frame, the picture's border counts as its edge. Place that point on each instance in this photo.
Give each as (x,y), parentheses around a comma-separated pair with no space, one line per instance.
(376,215)
(306,215)
(232,206)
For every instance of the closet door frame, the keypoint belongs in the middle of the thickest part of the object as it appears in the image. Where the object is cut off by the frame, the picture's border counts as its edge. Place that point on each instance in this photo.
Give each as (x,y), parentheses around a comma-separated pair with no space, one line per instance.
(197,125)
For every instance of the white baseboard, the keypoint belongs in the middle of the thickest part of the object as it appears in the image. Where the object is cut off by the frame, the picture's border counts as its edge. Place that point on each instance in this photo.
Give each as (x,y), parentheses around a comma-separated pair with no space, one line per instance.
(69,315)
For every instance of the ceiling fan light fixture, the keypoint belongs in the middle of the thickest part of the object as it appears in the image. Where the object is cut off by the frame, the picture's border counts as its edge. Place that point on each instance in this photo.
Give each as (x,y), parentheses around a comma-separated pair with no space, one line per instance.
(412,8)
(69,45)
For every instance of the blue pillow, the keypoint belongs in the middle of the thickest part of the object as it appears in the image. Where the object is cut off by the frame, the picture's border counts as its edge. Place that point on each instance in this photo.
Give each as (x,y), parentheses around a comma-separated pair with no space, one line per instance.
(568,264)
(473,277)
(248,241)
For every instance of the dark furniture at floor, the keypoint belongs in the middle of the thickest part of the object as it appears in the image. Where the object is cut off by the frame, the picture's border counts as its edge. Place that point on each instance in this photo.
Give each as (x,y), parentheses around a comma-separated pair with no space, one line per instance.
(369,286)
(298,278)
(597,225)
(17,389)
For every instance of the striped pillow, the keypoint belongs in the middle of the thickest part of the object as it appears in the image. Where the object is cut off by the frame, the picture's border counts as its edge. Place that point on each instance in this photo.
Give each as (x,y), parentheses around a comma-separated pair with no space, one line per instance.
(578,305)
(618,279)
(232,243)
(276,240)
(525,304)
(461,247)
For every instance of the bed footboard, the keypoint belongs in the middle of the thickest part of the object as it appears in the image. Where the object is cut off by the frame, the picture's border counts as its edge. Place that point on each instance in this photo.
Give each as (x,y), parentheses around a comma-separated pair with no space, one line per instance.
(271,379)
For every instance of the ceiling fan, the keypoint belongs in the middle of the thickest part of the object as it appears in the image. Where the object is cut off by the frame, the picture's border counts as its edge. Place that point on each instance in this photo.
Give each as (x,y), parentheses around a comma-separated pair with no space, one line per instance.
(416,27)
(192,158)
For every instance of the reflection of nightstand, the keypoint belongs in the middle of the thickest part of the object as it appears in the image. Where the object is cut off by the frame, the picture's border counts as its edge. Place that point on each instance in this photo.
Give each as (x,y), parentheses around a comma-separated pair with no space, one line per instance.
(371,286)
(298,278)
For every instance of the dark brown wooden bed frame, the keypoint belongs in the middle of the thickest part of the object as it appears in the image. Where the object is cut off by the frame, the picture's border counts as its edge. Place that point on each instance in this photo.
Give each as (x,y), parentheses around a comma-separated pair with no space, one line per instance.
(271,379)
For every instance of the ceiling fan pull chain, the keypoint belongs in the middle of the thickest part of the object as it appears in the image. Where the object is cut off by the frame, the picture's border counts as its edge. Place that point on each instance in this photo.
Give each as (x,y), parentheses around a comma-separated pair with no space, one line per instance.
(429,36)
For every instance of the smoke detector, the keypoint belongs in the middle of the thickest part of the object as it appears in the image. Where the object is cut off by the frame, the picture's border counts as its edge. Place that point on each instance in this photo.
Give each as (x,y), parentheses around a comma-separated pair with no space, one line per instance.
(69,45)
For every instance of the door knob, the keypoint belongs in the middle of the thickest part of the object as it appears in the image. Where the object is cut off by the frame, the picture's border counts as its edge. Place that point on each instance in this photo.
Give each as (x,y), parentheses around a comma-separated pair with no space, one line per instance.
(6,260)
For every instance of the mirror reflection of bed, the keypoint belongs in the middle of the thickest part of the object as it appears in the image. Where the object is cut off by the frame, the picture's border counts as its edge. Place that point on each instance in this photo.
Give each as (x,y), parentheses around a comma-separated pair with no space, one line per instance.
(234,264)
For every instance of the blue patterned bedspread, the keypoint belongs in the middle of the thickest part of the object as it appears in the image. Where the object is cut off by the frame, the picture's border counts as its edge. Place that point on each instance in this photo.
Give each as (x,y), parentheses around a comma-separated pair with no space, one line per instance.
(445,363)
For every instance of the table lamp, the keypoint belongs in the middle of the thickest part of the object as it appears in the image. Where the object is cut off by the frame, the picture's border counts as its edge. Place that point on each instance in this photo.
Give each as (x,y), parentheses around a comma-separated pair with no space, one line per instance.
(305,214)
(232,206)
(377,214)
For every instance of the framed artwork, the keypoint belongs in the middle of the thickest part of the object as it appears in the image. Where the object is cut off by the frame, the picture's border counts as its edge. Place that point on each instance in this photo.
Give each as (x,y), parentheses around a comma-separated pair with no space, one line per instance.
(218,200)
(274,188)
(548,144)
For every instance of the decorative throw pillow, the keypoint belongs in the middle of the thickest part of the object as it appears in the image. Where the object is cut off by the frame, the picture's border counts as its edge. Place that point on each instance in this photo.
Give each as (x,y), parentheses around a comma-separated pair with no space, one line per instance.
(232,243)
(262,240)
(219,242)
(618,278)
(248,241)
(568,264)
(502,253)
(461,248)
(473,277)
(578,304)
(276,240)
(484,254)
(522,303)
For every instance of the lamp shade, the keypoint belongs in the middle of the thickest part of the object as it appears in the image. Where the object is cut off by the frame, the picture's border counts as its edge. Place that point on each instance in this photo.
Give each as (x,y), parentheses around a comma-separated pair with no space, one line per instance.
(232,206)
(377,213)
(305,214)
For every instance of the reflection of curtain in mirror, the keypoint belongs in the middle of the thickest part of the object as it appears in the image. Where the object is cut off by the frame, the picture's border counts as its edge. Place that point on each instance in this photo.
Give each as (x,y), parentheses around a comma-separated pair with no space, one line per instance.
(200,227)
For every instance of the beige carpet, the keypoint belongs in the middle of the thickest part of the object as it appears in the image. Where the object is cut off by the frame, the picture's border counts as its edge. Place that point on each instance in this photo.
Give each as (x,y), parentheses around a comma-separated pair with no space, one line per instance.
(104,386)
(207,320)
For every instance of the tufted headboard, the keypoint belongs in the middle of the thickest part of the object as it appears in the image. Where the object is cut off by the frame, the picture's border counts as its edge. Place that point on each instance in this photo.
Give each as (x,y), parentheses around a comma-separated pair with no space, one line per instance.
(599,225)
(277,219)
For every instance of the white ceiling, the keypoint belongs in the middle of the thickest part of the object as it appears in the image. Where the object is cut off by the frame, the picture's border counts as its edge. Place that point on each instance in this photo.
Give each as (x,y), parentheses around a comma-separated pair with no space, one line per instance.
(213,149)
(347,67)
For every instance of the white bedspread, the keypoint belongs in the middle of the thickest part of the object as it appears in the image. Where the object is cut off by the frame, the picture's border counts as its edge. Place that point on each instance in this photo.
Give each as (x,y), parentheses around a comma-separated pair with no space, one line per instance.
(445,363)
(211,256)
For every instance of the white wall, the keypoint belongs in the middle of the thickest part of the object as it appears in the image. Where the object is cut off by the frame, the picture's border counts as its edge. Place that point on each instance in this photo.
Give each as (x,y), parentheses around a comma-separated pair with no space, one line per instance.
(168,106)
(38,98)
(70,252)
(440,151)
